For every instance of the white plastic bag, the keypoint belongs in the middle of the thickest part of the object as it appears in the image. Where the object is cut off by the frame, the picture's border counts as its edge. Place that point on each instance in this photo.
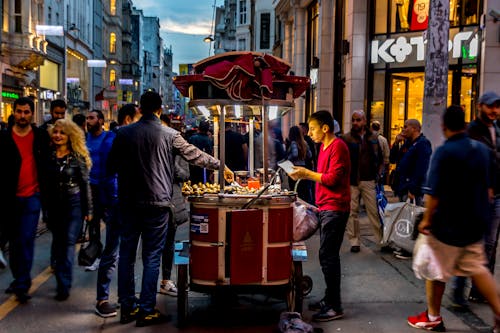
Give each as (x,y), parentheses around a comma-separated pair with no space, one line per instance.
(425,264)
(305,220)
(399,224)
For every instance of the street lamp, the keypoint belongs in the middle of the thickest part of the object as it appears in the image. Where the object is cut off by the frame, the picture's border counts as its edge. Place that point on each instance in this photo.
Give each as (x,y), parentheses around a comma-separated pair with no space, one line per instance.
(209,39)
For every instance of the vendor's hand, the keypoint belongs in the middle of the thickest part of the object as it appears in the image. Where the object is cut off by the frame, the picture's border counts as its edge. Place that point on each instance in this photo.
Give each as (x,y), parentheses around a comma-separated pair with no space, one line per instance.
(228,175)
(424,226)
(298,172)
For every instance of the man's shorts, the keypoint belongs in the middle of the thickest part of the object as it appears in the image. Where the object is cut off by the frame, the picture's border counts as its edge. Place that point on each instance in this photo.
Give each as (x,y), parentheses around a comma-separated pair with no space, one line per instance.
(469,260)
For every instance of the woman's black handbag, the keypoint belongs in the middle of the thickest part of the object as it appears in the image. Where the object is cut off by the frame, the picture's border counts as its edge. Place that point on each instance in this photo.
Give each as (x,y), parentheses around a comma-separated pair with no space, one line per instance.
(89,253)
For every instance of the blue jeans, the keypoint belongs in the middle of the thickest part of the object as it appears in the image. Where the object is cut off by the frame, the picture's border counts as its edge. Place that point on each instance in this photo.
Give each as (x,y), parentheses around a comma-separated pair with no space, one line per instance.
(109,256)
(150,223)
(22,241)
(333,226)
(490,249)
(66,222)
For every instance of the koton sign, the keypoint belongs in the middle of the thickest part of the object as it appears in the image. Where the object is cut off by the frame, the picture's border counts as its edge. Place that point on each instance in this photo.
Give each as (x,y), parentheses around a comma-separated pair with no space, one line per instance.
(399,49)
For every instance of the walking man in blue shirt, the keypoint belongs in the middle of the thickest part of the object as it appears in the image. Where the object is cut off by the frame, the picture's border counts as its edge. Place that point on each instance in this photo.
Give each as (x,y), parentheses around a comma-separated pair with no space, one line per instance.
(103,187)
(457,198)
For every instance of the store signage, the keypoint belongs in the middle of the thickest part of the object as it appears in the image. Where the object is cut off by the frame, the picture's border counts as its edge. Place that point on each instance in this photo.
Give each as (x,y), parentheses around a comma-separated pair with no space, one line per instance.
(49,30)
(8,94)
(399,49)
(96,63)
(126,82)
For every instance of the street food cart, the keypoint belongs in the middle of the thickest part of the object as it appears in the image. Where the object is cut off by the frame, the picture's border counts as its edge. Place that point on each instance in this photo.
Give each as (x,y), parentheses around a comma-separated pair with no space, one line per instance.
(241,237)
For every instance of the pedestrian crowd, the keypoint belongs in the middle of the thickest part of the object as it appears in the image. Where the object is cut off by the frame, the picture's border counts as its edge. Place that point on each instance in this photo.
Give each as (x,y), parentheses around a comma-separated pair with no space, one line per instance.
(76,173)
(458,186)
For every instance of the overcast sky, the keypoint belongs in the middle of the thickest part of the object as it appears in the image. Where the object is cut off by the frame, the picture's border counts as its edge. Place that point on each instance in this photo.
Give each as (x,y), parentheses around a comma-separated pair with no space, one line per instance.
(183,24)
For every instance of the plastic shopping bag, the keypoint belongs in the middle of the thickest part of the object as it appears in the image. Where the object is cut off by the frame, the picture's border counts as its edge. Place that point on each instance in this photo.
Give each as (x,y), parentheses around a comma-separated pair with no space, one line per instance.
(400,223)
(305,220)
(425,264)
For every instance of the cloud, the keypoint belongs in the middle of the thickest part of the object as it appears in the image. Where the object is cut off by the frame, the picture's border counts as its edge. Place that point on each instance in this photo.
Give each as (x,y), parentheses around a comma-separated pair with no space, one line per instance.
(183,25)
(193,28)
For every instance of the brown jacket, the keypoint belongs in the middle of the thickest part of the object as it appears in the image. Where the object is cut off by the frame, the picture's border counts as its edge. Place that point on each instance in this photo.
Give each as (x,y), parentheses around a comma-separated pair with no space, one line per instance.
(367,161)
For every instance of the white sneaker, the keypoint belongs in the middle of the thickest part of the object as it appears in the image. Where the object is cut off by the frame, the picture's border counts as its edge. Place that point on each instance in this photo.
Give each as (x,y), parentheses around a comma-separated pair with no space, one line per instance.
(3,262)
(94,266)
(168,287)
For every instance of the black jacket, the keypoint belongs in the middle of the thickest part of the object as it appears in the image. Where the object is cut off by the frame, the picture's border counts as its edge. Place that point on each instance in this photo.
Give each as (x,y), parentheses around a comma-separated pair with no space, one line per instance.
(412,159)
(11,166)
(479,131)
(67,177)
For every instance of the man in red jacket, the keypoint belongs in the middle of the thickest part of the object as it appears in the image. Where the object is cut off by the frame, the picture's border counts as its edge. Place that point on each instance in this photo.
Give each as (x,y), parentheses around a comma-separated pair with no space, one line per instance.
(333,200)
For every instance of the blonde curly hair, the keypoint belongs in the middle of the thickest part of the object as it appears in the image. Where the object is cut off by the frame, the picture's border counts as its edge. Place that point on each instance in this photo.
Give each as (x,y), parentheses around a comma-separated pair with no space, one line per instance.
(76,138)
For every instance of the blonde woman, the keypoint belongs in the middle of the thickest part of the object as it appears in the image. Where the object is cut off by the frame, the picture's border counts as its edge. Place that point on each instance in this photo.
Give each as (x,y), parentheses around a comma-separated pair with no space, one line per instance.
(68,199)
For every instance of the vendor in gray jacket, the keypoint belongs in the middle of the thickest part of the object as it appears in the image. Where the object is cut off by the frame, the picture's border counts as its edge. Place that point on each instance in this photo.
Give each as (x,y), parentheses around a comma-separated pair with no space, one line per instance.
(143,157)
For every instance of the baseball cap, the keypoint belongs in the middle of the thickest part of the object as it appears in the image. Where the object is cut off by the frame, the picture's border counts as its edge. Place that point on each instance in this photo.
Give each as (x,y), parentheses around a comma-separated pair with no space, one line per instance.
(489,98)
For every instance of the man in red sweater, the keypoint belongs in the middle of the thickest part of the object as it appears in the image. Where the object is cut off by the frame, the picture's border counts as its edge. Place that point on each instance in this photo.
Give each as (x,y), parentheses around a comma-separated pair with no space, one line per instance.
(24,150)
(333,200)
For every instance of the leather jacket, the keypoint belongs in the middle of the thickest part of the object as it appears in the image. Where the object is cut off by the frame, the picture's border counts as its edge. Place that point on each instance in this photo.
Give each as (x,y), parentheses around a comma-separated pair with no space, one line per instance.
(66,177)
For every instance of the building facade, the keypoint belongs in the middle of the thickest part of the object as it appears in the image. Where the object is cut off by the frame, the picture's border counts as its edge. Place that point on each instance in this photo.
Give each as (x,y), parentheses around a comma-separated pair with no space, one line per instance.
(371,56)
(23,51)
(46,48)
(79,49)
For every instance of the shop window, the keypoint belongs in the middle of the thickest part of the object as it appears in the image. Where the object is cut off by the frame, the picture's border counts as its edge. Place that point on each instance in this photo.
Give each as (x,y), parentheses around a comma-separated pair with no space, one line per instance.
(112,7)
(112,78)
(464,12)
(409,15)
(467,84)
(407,99)
(381,16)
(413,15)
(378,103)
(112,43)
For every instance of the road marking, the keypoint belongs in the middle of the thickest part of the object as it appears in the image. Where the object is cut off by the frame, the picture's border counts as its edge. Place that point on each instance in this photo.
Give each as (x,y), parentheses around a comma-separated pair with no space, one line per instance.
(11,303)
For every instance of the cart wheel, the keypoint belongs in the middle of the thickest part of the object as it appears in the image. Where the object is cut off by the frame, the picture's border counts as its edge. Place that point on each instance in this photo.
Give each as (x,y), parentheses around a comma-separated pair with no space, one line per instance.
(182,295)
(307,285)
(295,295)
